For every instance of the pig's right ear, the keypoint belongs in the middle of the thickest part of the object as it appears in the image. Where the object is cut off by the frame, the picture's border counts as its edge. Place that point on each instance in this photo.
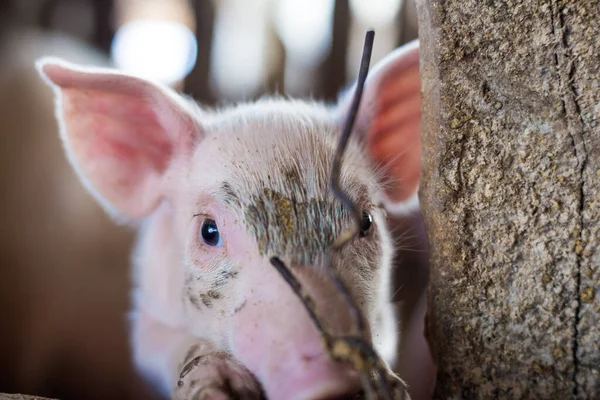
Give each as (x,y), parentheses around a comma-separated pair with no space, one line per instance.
(389,122)
(120,133)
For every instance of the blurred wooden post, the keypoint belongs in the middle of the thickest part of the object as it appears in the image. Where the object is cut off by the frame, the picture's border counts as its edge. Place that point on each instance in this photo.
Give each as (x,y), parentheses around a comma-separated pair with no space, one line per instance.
(103,30)
(197,82)
(407,19)
(511,196)
(333,71)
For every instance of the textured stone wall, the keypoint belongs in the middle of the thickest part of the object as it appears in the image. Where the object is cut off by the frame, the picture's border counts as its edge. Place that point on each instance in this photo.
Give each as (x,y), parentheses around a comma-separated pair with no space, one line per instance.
(511,195)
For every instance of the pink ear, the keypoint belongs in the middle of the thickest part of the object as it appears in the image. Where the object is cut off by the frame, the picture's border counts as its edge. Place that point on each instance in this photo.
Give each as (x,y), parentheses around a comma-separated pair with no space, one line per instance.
(390,117)
(121,133)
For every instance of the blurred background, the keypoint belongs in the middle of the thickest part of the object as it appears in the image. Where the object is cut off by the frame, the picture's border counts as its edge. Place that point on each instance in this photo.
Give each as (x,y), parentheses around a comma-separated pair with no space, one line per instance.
(64,265)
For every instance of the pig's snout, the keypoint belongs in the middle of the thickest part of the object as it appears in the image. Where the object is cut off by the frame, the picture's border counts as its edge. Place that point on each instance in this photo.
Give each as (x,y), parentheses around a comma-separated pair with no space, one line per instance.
(311,378)
(276,339)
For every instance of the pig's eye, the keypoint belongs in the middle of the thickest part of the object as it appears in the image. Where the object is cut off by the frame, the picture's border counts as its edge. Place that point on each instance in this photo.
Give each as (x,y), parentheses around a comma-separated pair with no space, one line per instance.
(367,222)
(210,233)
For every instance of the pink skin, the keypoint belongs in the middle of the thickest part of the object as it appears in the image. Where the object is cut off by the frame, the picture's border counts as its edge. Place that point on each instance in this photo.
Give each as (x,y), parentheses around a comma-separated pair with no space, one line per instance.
(151,157)
(251,323)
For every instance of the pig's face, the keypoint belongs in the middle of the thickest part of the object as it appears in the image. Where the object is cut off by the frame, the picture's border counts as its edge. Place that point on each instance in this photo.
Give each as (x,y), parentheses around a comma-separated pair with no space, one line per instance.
(221,192)
(247,193)
(252,193)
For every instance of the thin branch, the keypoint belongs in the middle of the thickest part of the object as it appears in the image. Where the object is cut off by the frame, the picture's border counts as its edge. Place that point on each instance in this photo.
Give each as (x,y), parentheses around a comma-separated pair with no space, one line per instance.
(343,143)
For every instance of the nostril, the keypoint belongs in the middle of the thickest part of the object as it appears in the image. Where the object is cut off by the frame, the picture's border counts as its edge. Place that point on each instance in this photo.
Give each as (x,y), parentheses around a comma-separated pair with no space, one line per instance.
(314,356)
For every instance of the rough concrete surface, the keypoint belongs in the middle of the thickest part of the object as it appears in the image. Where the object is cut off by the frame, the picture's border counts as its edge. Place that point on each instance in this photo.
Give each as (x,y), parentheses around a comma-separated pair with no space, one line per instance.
(511,195)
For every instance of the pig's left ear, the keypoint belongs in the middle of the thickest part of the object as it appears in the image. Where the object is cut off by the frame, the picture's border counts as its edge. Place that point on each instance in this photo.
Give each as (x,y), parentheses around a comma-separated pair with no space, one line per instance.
(121,133)
(390,120)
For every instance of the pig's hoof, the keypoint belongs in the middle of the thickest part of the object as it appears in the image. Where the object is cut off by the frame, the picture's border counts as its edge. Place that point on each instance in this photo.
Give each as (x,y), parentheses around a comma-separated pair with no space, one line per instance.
(216,377)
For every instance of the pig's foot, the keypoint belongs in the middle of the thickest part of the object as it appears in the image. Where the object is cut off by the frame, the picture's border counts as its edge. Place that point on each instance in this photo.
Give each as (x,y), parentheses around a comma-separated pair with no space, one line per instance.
(216,376)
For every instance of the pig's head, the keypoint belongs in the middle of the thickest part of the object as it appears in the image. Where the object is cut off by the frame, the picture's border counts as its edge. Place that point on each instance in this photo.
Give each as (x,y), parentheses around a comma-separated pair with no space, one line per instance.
(220,192)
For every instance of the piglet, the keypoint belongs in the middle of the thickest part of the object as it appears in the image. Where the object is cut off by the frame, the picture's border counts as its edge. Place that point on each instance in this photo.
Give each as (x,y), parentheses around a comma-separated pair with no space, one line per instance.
(217,193)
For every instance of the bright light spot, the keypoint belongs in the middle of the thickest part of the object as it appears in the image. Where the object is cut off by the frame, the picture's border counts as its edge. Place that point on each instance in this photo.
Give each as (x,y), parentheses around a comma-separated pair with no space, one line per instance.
(305,28)
(375,12)
(163,51)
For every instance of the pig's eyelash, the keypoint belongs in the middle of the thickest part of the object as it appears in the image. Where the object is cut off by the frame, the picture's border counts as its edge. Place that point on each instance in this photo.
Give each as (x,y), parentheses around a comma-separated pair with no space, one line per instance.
(355,348)
(202,216)
(205,215)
